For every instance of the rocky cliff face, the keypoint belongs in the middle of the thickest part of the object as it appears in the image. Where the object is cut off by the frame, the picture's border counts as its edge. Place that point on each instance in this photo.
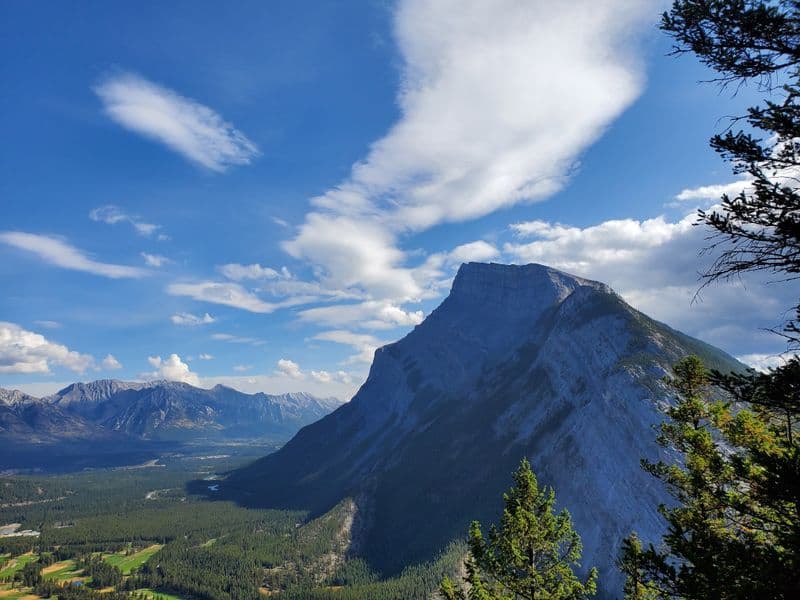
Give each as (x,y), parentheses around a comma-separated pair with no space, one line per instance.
(517,361)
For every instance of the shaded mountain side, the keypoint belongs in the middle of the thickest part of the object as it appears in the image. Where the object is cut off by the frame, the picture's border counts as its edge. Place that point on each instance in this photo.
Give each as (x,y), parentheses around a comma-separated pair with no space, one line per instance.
(517,361)
(108,409)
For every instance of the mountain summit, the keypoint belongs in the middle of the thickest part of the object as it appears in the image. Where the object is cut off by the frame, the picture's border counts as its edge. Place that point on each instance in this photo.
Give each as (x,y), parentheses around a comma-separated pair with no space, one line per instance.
(516,361)
(158,410)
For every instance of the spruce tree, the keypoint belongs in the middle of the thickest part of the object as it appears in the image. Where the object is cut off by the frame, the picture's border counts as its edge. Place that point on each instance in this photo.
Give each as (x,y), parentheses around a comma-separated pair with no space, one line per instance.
(752,41)
(734,529)
(530,556)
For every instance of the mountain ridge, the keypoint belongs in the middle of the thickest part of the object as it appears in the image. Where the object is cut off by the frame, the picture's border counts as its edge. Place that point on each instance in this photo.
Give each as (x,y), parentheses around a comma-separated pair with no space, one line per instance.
(154,410)
(516,361)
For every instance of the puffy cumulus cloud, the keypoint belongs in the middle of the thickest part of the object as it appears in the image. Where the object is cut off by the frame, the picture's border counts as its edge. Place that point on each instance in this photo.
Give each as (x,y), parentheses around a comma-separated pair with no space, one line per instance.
(185,318)
(155,260)
(227,294)
(110,363)
(478,251)
(322,376)
(327,377)
(497,103)
(714,192)
(655,265)
(172,369)
(56,252)
(112,215)
(364,344)
(372,314)
(289,368)
(238,272)
(23,351)
(184,125)
(764,362)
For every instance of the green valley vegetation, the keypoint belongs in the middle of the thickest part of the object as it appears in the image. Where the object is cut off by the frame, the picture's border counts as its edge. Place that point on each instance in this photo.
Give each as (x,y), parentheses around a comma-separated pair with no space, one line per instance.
(530,556)
(103,535)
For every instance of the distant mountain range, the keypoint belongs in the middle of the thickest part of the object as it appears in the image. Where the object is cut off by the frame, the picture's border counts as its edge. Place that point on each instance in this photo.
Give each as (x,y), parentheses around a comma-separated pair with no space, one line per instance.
(164,411)
(517,361)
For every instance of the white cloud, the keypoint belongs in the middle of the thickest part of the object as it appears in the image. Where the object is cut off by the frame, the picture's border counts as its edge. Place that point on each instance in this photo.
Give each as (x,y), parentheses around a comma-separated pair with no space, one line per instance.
(364,344)
(172,369)
(498,100)
(112,215)
(242,368)
(372,314)
(185,318)
(764,362)
(228,294)
(655,264)
(57,252)
(478,251)
(289,368)
(49,324)
(715,192)
(205,356)
(239,272)
(23,351)
(155,260)
(354,252)
(110,363)
(236,339)
(322,376)
(182,124)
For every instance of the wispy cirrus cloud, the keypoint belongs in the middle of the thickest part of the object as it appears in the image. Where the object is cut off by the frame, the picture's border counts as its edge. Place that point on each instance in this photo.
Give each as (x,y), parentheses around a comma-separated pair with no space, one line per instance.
(237,339)
(57,252)
(372,314)
(155,260)
(182,124)
(498,100)
(185,318)
(365,344)
(232,294)
(228,294)
(237,272)
(111,215)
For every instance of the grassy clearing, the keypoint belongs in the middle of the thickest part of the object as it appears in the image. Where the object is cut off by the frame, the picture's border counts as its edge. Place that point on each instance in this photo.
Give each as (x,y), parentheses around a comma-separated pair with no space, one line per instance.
(131,562)
(9,593)
(17,564)
(153,595)
(63,571)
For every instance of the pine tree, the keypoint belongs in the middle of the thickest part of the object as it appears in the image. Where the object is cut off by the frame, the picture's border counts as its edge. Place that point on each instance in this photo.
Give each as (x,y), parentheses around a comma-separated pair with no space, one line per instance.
(755,41)
(532,554)
(734,530)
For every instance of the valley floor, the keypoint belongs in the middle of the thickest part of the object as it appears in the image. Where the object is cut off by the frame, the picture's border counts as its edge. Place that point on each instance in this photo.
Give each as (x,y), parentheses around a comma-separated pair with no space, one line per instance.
(156,540)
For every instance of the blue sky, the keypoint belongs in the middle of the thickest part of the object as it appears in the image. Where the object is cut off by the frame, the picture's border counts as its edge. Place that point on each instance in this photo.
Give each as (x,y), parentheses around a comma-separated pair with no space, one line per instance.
(260,195)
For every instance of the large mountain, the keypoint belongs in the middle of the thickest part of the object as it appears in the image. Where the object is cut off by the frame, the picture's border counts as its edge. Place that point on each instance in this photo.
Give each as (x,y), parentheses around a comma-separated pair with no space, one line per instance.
(517,361)
(162,410)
